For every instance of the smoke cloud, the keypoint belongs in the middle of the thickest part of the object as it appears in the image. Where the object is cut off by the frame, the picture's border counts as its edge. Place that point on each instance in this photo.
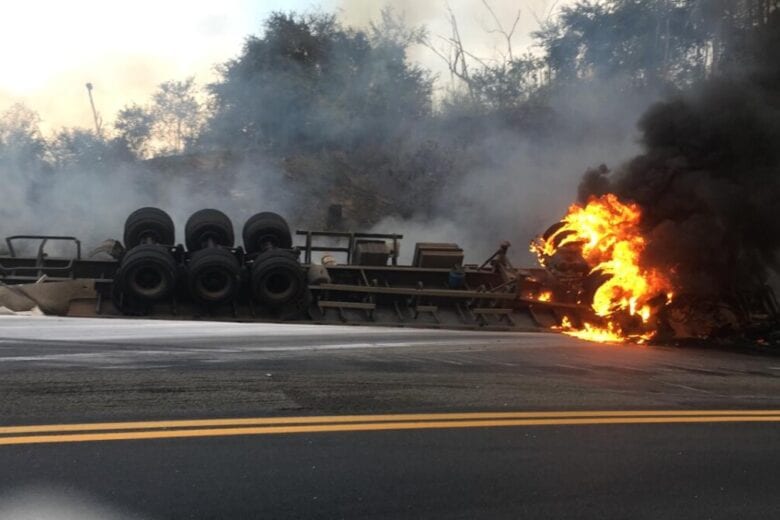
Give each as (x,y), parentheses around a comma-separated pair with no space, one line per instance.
(475,24)
(708,179)
(508,185)
(474,179)
(448,174)
(93,204)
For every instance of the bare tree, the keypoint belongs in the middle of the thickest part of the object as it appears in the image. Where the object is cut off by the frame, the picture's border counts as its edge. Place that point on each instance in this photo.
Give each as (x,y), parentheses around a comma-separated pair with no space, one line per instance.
(508,34)
(453,53)
(501,80)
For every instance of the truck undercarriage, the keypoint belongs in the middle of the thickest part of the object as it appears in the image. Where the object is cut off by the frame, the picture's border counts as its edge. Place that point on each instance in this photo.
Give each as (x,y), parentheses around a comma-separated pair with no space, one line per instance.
(357,281)
(327,277)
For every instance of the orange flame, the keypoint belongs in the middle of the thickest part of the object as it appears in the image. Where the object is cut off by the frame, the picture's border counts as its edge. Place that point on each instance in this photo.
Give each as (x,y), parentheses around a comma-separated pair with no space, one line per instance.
(589,332)
(544,296)
(608,235)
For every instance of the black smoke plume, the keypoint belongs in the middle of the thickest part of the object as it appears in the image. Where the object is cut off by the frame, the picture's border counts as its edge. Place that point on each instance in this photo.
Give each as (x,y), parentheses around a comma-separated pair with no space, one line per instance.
(709,178)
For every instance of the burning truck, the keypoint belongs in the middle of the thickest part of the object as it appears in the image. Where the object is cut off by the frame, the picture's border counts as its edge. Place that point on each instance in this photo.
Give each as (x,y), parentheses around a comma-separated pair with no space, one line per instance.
(597,254)
(592,280)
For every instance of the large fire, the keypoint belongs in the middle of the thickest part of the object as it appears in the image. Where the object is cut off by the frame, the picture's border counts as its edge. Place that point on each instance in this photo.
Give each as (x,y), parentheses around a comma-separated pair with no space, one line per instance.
(606,234)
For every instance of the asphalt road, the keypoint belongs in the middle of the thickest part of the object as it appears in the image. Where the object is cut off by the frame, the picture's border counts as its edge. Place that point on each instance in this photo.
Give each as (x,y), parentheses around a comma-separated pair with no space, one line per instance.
(586,464)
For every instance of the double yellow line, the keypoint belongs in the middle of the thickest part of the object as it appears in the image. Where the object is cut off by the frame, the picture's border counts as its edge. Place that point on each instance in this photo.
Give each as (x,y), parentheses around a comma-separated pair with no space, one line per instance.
(92,432)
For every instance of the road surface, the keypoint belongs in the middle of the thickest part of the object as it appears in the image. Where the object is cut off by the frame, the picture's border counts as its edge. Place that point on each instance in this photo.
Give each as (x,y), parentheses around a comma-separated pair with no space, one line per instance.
(152,419)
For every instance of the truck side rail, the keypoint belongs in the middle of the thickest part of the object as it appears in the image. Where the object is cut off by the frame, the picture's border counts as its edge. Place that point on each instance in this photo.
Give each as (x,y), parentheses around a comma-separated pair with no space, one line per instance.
(309,247)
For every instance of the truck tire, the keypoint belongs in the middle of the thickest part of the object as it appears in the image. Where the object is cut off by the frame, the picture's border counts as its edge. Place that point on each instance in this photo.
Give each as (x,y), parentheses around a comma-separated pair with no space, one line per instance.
(264,231)
(277,279)
(147,273)
(208,227)
(213,276)
(148,225)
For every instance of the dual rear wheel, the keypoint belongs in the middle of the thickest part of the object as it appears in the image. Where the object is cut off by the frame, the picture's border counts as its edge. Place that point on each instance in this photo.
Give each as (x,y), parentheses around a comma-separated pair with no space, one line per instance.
(277,279)
(152,268)
(214,276)
(148,272)
(213,271)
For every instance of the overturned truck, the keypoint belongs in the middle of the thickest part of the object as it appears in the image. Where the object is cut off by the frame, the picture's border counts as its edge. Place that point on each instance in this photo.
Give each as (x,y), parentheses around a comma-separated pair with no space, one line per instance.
(357,278)
(329,277)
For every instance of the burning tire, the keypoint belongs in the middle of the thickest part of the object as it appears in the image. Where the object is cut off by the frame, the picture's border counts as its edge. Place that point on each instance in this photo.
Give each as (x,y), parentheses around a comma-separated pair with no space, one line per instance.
(213,276)
(147,273)
(265,231)
(148,226)
(208,228)
(277,279)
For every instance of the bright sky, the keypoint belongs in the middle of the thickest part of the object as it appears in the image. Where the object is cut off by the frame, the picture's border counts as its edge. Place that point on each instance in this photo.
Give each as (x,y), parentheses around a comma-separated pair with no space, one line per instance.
(51,48)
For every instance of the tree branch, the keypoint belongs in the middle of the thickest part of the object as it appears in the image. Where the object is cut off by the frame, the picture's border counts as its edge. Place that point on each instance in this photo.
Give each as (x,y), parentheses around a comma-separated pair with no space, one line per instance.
(508,35)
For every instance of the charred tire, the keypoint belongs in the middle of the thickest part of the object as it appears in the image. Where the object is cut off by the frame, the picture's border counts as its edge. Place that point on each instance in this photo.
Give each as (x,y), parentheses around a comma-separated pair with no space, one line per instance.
(148,225)
(277,279)
(208,227)
(264,231)
(213,276)
(147,273)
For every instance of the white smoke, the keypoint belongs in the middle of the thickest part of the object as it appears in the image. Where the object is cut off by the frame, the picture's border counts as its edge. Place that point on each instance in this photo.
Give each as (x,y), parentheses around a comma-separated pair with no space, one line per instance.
(524,183)
(93,205)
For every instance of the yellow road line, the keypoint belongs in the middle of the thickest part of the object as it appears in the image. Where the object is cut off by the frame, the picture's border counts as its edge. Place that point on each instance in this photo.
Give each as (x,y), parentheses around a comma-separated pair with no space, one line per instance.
(356,427)
(343,419)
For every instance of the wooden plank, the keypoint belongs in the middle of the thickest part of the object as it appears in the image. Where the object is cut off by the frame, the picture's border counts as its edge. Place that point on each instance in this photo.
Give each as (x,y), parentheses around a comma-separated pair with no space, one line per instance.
(346,305)
(492,310)
(441,293)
